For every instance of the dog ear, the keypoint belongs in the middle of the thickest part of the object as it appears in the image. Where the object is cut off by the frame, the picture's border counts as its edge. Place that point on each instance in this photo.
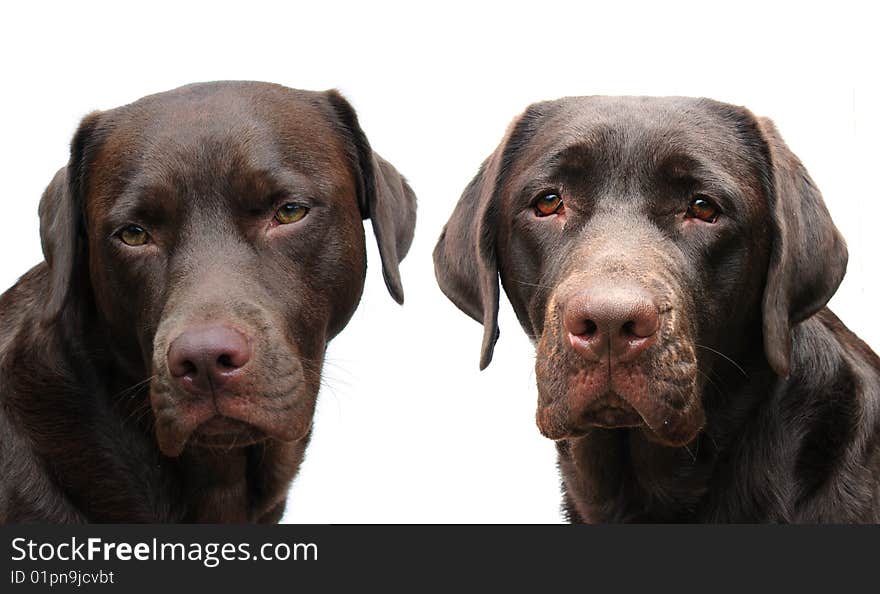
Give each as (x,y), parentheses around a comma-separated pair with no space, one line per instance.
(808,258)
(62,226)
(384,197)
(465,262)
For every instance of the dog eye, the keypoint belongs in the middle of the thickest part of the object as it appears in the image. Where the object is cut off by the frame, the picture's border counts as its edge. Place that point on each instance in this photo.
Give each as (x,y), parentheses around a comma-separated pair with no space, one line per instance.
(548,204)
(290,213)
(134,236)
(703,209)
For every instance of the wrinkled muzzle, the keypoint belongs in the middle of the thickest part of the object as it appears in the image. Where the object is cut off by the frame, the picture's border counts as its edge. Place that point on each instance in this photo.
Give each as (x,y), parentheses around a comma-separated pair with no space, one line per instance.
(618,351)
(226,376)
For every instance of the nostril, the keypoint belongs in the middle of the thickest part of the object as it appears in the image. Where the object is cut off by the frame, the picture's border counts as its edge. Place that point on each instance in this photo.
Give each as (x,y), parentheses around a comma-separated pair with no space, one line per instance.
(225,361)
(644,325)
(590,328)
(188,368)
(181,367)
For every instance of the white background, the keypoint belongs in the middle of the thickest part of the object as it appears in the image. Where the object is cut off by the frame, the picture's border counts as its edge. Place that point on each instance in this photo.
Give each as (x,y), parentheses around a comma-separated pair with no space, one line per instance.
(407,429)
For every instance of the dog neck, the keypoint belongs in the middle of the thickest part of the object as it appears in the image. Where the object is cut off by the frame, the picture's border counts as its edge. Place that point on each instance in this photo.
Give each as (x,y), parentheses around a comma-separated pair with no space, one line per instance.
(622,475)
(618,475)
(242,485)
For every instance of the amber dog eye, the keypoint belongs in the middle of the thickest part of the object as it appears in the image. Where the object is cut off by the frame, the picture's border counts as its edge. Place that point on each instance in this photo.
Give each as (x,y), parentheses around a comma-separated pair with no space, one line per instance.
(548,204)
(134,236)
(703,209)
(290,213)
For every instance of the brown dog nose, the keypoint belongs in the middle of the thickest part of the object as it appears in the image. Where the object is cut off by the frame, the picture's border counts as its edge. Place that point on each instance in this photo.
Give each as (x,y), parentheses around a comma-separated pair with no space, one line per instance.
(205,359)
(620,319)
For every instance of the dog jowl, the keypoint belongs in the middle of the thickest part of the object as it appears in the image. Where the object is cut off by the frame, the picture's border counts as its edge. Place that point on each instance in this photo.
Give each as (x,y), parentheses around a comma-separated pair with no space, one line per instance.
(202,247)
(662,253)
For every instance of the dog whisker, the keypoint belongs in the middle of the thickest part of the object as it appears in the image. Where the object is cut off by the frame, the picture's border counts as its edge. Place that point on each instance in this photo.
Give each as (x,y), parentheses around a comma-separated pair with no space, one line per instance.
(720,354)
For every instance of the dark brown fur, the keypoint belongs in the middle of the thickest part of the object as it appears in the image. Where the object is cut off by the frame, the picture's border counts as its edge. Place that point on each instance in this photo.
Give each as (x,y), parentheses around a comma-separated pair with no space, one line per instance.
(753,402)
(93,428)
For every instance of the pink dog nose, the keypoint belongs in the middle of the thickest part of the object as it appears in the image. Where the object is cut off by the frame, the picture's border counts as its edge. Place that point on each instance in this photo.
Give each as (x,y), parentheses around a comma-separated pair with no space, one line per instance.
(206,359)
(620,319)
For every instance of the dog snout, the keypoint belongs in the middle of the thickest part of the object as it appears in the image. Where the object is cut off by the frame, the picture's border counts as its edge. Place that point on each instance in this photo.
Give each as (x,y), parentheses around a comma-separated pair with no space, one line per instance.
(206,359)
(617,319)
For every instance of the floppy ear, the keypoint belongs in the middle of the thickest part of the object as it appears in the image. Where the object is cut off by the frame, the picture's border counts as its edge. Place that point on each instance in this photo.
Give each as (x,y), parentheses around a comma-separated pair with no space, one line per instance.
(809,256)
(384,197)
(62,227)
(465,262)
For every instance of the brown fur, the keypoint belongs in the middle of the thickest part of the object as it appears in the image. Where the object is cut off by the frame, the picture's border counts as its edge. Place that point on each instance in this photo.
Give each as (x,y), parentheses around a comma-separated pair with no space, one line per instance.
(93,425)
(752,402)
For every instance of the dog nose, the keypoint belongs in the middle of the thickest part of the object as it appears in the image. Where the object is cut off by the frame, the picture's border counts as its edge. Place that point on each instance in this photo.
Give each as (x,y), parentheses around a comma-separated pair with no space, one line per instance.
(205,359)
(619,319)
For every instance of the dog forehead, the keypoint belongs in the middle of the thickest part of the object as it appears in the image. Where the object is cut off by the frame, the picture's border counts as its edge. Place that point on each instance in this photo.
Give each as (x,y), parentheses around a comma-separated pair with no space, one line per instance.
(642,112)
(216,131)
(189,115)
(627,125)
(633,137)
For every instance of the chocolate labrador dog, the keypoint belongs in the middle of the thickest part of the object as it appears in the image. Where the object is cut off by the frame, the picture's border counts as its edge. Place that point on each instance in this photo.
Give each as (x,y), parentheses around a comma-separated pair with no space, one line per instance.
(202,247)
(671,259)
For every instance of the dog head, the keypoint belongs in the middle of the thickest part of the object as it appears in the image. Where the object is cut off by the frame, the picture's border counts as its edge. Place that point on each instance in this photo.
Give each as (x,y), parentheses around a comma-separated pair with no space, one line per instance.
(642,243)
(216,233)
